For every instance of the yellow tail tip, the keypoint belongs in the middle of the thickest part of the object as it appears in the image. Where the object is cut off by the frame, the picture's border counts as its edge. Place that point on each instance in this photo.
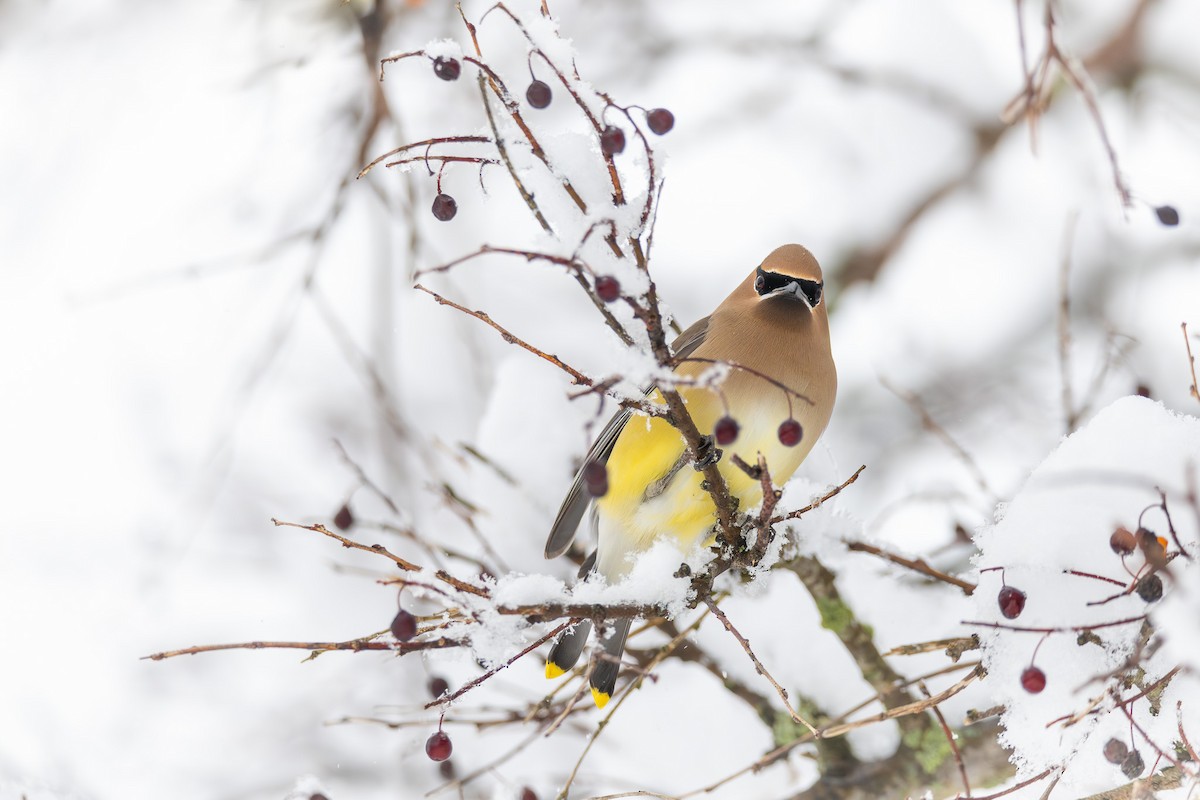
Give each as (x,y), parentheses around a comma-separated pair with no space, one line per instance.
(601,698)
(553,670)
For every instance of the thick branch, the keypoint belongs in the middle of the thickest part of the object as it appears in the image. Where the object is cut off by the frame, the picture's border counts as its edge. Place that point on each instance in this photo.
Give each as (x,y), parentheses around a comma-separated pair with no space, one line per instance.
(837,617)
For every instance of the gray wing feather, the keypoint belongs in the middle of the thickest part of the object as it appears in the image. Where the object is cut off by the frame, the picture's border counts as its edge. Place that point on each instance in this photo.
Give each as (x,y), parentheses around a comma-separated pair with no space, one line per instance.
(690,339)
(575,504)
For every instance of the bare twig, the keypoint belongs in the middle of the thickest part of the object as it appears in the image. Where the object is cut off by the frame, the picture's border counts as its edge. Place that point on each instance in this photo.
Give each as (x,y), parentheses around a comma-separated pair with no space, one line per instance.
(958,759)
(629,689)
(916,565)
(1183,737)
(354,645)
(448,698)
(1194,389)
(1070,413)
(364,479)
(575,266)
(577,376)
(931,425)
(960,644)
(543,612)
(1125,707)
(908,709)
(379,549)
(502,148)
(1062,629)
(1014,788)
(817,503)
(758,665)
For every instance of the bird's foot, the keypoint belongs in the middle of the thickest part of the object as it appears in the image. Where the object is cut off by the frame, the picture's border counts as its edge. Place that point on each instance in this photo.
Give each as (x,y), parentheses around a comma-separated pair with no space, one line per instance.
(708,454)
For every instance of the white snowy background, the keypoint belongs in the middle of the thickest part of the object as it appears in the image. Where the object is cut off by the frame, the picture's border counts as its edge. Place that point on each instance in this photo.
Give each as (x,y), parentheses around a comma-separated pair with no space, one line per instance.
(187,303)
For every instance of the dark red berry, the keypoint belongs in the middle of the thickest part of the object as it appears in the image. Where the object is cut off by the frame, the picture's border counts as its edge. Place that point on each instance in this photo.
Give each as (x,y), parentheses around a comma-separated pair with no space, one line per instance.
(1012,602)
(790,433)
(528,794)
(444,207)
(1133,766)
(659,120)
(595,478)
(608,288)
(343,519)
(317,796)
(612,140)
(446,770)
(1167,215)
(448,69)
(438,687)
(1150,588)
(538,94)
(1122,542)
(725,431)
(404,626)
(1033,679)
(1115,751)
(438,746)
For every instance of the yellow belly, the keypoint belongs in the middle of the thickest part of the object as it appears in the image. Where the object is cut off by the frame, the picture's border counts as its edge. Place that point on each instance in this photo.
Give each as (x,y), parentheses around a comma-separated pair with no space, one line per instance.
(641,507)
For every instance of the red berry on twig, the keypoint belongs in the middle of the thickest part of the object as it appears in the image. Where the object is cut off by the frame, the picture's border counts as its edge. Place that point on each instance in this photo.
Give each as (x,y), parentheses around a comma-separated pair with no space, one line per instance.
(612,140)
(1167,215)
(438,687)
(1033,680)
(344,518)
(1150,588)
(444,207)
(538,94)
(448,69)
(725,431)
(790,433)
(528,794)
(1115,751)
(608,288)
(1133,766)
(1012,602)
(438,746)
(659,120)
(1122,542)
(404,626)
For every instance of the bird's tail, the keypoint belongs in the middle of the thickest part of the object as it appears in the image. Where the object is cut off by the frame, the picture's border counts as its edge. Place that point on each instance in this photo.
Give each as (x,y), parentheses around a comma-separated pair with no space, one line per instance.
(604,676)
(566,650)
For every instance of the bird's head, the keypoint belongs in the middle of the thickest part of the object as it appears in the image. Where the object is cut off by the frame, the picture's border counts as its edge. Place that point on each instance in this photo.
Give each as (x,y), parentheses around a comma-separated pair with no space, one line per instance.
(790,273)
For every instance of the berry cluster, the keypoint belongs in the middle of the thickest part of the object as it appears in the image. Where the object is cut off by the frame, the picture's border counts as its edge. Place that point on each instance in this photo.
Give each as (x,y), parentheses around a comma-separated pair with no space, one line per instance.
(1130,761)
(726,430)
(1146,584)
(539,96)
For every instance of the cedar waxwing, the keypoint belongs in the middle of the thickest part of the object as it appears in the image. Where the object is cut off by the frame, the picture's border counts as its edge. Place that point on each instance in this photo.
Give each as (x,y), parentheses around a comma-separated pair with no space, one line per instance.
(773,324)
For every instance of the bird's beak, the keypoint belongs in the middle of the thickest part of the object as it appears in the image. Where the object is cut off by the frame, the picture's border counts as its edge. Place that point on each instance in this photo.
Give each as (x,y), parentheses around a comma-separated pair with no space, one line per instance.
(792,289)
(807,292)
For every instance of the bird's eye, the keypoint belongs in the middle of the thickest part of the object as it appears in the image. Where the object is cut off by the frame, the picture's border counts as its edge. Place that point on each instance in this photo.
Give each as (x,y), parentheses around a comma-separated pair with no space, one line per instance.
(812,291)
(767,282)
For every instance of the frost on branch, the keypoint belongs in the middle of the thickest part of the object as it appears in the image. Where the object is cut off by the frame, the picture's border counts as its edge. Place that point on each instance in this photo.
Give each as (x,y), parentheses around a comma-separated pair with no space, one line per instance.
(1093,544)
